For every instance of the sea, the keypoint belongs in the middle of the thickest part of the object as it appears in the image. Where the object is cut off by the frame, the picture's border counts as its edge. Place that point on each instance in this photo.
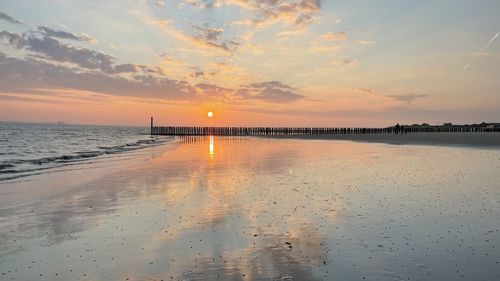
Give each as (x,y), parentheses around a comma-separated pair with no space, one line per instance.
(28,149)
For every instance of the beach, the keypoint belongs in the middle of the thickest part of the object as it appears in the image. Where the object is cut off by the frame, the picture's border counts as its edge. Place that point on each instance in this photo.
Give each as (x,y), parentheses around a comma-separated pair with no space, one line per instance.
(254,208)
(481,140)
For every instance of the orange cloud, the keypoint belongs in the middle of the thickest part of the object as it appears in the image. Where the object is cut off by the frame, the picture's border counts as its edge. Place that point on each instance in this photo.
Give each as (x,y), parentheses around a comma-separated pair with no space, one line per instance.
(324,49)
(330,36)
(365,42)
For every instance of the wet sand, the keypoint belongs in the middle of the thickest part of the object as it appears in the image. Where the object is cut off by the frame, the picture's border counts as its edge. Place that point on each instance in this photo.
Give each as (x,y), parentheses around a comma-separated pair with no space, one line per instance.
(259,209)
(484,140)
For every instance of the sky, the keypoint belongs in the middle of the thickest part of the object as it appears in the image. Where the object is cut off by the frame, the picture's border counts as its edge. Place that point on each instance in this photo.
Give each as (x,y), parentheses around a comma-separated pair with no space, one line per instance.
(252,62)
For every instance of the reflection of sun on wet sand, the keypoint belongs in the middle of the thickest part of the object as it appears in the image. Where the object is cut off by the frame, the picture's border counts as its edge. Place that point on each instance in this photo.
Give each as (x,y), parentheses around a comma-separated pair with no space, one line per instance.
(211,147)
(221,208)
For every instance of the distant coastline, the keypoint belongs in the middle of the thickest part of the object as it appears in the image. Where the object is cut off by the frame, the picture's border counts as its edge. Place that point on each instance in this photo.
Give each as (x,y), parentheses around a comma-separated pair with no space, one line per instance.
(482,125)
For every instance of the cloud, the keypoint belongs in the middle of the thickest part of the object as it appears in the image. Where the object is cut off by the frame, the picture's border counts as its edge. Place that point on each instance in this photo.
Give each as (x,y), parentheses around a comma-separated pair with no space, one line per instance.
(213,36)
(296,13)
(365,42)
(267,12)
(204,4)
(342,62)
(321,47)
(209,33)
(214,92)
(64,35)
(29,74)
(293,32)
(330,36)
(324,49)
(50,48)
(408,98)
(160,3)
(197,74)
(272,91)
(206,37)
(243,22)
(5,17)
(51,63)
(126,68)
(168,60)
(365,90)
(26,75)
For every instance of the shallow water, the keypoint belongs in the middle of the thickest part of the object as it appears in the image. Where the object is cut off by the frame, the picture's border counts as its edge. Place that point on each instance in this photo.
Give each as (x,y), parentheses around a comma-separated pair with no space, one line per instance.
(266,209)
(32,149)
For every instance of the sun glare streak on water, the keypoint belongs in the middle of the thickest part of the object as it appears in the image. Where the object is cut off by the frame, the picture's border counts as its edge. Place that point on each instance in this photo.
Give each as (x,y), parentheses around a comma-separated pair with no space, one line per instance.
(211,147)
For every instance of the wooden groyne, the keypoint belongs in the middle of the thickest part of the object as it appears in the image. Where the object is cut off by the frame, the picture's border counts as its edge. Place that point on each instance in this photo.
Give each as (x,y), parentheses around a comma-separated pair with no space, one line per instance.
(290,131)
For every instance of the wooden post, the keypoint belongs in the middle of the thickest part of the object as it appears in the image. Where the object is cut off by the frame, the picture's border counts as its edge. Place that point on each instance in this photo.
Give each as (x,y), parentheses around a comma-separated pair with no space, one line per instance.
(151,125)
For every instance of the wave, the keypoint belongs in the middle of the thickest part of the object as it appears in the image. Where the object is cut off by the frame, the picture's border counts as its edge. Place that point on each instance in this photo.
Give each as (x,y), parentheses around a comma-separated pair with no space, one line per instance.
(5,166)
(24,167)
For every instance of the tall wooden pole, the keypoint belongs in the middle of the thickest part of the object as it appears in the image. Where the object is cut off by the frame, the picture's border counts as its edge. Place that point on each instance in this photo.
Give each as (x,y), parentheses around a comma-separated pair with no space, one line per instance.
(151,125)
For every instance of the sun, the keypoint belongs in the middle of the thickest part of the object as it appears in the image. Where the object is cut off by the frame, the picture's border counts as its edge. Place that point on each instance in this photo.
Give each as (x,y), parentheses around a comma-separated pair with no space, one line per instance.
(210,114)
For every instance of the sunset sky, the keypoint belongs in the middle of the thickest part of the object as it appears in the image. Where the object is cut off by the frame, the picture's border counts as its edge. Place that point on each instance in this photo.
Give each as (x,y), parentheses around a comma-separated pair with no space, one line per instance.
(251,62)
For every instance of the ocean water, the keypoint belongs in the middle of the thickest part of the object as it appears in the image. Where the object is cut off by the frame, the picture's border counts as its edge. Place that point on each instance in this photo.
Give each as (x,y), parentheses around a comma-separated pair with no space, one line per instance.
(28,149)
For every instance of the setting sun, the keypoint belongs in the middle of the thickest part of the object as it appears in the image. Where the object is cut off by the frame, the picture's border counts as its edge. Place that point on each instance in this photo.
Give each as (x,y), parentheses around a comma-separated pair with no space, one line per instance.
(210,114)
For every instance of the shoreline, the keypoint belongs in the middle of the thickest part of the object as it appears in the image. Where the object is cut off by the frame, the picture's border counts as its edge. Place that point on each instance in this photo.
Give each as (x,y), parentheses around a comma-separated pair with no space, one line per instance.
(32,189)
(473,140)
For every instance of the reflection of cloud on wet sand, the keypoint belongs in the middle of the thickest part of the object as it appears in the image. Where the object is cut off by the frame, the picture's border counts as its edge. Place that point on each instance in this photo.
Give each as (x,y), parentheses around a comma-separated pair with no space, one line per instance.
(70,213)
(236,232)
(269,256)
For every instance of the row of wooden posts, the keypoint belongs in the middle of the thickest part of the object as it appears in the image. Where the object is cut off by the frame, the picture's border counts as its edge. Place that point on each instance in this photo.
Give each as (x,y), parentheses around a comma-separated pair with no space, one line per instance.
(284,131)
(280,131)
